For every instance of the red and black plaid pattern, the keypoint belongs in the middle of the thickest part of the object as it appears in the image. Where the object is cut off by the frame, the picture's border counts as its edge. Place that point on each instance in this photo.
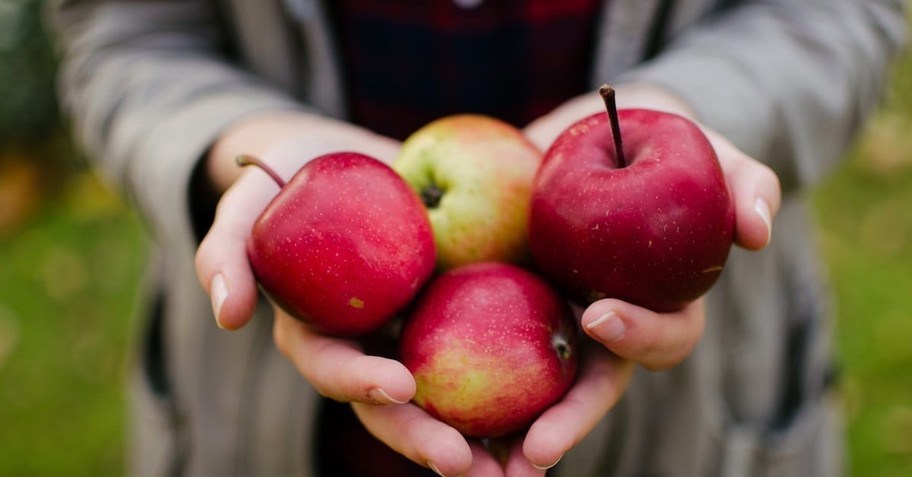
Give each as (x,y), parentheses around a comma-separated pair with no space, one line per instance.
(408,62)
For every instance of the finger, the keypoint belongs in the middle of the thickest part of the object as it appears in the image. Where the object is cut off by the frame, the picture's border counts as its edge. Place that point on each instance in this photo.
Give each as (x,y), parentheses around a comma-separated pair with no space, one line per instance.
(484,464)
(221,260)
(517,465)
(755,190)
(339,369)
(656,341)
(410,431)
(601,383)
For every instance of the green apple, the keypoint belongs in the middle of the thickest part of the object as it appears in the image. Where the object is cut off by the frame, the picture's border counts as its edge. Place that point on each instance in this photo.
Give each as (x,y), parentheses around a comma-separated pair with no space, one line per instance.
(474,174)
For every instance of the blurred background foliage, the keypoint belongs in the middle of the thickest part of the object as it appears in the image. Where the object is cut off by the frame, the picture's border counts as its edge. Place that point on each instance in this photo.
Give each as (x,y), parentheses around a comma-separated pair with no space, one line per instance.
(71,257)
(26,76)
(864,215)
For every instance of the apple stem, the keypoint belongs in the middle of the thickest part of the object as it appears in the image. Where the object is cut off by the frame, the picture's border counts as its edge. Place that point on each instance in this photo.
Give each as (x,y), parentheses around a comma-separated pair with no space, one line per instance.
(247,160)
(607,93)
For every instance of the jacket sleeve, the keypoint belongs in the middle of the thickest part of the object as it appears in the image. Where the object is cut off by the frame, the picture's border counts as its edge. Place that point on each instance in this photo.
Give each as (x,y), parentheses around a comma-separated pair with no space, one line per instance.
(788,81)
(148,88)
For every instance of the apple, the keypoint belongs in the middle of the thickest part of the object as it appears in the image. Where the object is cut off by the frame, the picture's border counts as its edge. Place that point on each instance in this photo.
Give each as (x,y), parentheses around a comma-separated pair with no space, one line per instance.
(474,174)
(344,246)
(647,219)
(491,346)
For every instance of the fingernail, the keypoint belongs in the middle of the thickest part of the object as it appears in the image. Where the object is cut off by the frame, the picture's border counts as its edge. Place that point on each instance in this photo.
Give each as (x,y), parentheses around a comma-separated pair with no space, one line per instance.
(218,290)
(435,469)
(380,396)
(763,210)
(546,467)
(608,327)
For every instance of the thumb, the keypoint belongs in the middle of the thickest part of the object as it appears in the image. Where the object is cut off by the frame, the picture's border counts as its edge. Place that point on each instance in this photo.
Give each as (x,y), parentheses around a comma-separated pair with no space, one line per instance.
(221,260)
(755,190)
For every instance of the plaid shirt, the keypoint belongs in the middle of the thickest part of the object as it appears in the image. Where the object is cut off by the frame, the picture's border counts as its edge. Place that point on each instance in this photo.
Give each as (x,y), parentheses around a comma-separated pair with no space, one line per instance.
(408,62)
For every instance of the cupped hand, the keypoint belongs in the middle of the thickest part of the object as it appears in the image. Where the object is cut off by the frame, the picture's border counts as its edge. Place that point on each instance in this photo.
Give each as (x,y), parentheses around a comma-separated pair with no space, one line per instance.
(629,333)
(411,431)
(337,368)
(662,340)
(285,142)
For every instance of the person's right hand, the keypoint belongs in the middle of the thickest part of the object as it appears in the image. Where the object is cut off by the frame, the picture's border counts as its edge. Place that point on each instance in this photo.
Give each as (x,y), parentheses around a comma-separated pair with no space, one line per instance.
(338,369)
(285,141)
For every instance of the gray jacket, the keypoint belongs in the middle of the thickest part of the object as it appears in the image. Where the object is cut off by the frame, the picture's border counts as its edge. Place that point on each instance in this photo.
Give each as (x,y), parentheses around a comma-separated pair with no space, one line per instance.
(151,84)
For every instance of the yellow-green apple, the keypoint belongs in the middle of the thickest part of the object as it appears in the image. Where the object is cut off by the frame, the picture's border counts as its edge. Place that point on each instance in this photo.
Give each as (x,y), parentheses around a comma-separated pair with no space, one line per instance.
(647,219)
(344,246)
(491,346)
(474,175)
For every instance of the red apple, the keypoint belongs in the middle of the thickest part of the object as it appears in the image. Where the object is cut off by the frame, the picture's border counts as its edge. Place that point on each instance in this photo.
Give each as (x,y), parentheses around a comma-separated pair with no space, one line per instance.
(344,246)
(648,219)
(491,346)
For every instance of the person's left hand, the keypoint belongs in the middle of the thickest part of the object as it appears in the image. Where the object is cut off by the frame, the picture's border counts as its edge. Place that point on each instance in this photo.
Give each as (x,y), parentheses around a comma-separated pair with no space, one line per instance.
(629,334)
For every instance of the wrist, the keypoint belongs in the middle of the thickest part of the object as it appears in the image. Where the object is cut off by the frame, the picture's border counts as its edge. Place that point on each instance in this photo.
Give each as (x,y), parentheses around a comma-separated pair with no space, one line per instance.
(288,140)
(254,135)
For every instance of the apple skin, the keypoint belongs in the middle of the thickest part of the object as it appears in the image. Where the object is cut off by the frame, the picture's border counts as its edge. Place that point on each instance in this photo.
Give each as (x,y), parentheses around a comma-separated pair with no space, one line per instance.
(344,246)
(656,232)
(474,174)
(491,346)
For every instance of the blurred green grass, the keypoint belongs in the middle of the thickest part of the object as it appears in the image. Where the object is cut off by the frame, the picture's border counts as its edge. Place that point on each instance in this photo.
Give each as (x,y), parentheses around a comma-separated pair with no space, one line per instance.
(68,284)
(864,213)
(70,273)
